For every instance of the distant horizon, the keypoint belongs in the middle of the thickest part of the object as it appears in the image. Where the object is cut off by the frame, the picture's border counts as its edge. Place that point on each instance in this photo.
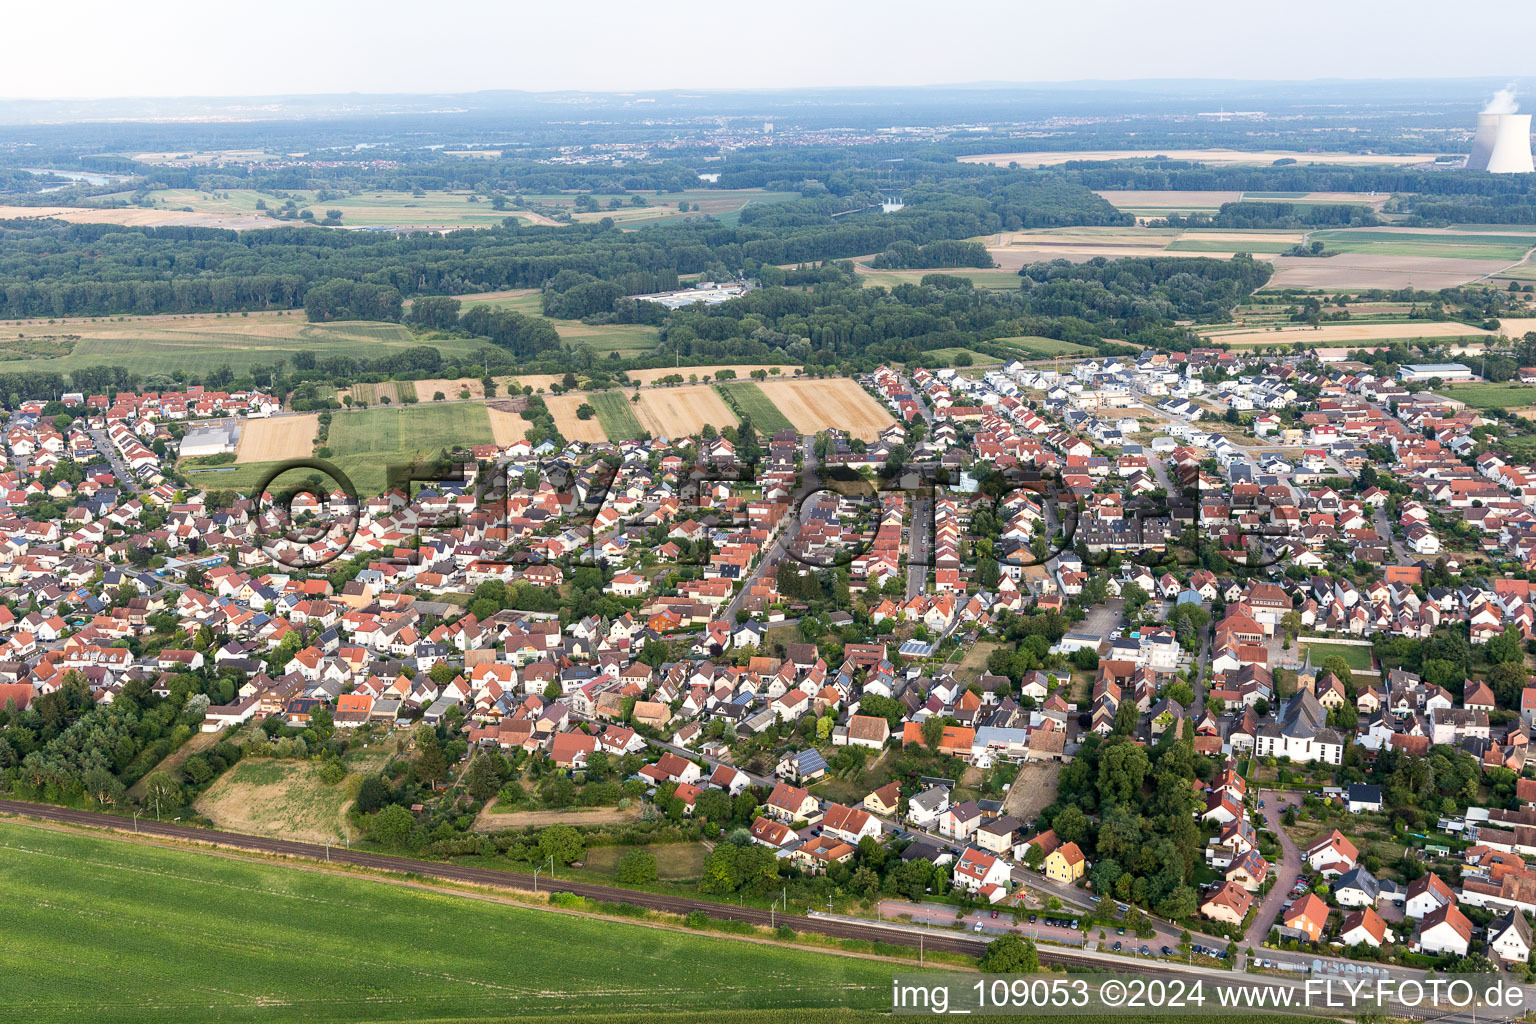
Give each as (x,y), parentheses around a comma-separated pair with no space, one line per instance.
(1484,80)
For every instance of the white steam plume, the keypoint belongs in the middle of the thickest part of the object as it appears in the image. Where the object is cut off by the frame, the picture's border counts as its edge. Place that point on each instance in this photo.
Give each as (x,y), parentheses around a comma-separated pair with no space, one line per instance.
(1503,102)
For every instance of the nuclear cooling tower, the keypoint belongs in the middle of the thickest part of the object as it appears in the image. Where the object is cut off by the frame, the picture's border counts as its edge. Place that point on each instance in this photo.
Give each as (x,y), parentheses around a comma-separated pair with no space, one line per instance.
(1511,152)
(1482,142)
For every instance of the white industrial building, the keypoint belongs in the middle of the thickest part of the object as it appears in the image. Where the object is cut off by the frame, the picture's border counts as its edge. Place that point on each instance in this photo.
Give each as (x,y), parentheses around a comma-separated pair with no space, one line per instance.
(1428,371)
(210,439)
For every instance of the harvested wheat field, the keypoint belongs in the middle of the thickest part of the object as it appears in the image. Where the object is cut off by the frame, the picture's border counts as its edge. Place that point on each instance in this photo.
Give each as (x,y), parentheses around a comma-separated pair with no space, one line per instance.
(281,437)
(1332,333)
(563,409)
(506,425)
(686,409)
(743,371)
(1377,270)
(1517,327)
(133,216)
(813,405)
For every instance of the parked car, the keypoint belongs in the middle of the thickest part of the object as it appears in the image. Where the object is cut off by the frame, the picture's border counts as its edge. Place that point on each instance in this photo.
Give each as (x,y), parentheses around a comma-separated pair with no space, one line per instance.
(1116,947)
(994,914)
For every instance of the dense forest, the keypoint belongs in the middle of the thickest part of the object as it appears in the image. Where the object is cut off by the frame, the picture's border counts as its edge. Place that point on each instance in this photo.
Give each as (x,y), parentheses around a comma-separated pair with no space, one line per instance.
(53,269)
(1250,215)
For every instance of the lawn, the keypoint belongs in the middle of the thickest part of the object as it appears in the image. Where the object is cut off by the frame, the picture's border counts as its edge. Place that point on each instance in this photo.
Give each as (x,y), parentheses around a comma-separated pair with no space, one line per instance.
(751,400)
(1357,658)
(105,930)
(166,344)
(615,414)
(1491,396)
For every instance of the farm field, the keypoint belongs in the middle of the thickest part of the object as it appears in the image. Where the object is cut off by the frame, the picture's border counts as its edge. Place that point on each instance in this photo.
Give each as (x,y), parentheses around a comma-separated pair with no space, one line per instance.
(1485,395)
(1028,346)
(518,300)
(107,930)
(389,392)
(165,344)
(136,216)
(366,442)
(1357,658)
(507,427)
(822,404)
(372,209)
(946,357)
(1451,243)
(1342,332)
(281,437)
(1517,327)
(268,797)
(1002,280)
(628,340)
(765,416)
(1363,270)
(686,409)
(563,409)
(616,415)
(1209,156)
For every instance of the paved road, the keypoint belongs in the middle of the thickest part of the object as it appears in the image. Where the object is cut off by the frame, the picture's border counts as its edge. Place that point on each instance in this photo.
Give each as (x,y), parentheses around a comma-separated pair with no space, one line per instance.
(1286,872)
(129,483)
(786,536)
(1384,528)
(919,547)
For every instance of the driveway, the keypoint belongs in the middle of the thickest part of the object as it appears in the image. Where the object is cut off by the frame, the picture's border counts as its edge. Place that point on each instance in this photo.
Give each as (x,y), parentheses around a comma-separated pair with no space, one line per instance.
(1286,872)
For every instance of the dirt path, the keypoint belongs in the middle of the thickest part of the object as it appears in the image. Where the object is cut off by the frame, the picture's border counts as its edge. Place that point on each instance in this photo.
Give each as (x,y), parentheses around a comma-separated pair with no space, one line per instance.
(198,743)
(491,820)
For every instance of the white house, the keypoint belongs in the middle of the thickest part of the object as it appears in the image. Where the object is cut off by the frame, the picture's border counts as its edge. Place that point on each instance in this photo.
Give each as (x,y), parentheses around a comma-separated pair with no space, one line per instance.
(977,870)
(1510,937)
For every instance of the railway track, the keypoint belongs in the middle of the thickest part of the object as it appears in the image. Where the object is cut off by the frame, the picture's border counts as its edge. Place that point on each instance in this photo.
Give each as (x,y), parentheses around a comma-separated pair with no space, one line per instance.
(938,941)
(946,942)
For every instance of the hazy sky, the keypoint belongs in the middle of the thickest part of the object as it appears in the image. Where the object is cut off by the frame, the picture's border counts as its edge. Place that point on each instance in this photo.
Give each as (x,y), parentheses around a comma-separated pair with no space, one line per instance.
(106,48)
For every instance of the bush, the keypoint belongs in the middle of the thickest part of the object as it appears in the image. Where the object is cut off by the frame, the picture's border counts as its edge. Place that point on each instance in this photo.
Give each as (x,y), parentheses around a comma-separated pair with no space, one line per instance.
(637,867)
(697,919)
(331,772)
